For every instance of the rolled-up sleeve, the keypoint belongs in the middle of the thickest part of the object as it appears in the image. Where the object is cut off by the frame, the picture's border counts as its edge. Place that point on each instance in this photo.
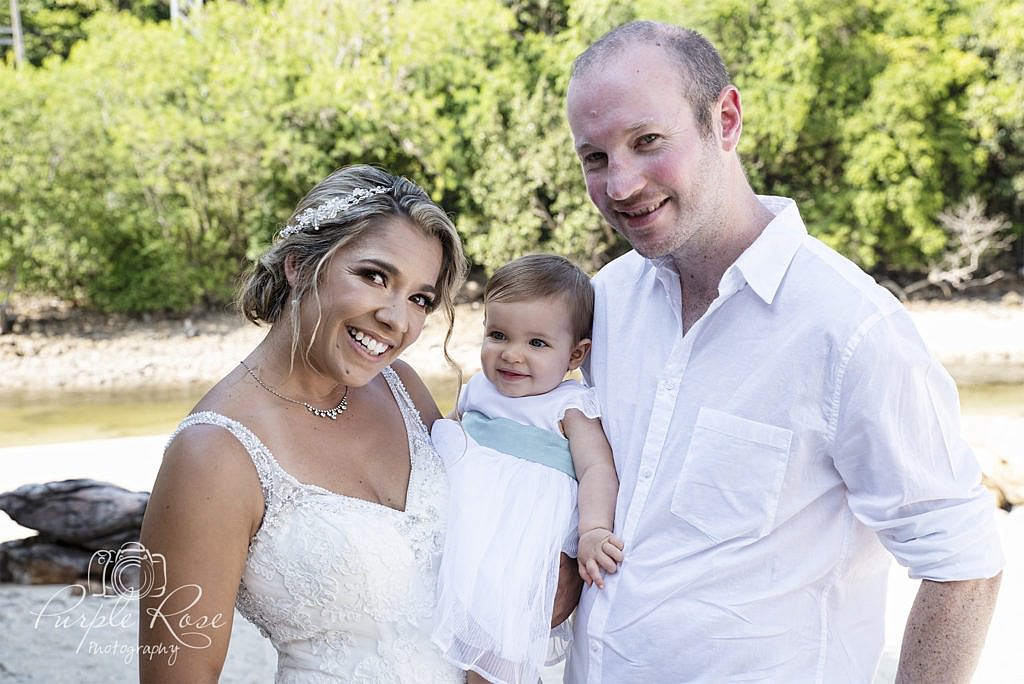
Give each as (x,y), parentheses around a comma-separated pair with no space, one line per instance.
(897,444)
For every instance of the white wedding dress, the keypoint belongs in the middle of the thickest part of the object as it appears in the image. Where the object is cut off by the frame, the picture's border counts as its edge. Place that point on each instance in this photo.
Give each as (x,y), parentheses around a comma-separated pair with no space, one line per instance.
(345,588)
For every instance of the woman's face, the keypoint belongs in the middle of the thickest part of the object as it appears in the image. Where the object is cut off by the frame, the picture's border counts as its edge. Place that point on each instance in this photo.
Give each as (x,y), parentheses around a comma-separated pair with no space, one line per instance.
(375,294)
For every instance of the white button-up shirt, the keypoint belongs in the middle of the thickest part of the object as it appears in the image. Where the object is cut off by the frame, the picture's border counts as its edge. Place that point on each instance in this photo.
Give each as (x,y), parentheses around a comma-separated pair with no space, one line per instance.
(767,460)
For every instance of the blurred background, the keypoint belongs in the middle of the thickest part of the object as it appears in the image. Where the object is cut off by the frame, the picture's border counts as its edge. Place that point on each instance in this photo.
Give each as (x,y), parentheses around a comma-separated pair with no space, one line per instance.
(149,149)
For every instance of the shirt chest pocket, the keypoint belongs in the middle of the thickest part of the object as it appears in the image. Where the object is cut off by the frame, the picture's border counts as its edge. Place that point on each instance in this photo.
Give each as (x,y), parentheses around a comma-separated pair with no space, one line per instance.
(731,479)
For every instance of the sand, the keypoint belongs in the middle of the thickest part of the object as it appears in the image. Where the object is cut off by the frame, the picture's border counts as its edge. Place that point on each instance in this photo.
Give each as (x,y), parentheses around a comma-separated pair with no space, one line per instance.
(39,649)
(978,341)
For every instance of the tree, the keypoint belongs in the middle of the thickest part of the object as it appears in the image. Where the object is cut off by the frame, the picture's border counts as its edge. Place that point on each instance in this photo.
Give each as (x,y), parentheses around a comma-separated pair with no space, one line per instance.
(52,27)
(152,162)
(994,111)
(973,236)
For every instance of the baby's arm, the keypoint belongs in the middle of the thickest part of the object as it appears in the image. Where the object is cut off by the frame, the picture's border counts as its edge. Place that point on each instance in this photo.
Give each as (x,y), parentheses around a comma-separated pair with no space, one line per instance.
(598,488)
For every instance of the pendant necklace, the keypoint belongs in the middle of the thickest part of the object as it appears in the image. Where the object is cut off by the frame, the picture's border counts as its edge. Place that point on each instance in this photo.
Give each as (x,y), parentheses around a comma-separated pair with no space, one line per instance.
(318,412)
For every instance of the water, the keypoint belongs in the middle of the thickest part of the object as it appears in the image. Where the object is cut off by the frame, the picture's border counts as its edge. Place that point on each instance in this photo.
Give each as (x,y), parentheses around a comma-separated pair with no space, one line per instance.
(1005,401)
(35,419)
(41,419)
(32,418)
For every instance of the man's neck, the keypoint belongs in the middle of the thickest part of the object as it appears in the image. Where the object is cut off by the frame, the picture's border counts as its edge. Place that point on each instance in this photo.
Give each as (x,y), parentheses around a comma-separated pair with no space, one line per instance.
(701,266)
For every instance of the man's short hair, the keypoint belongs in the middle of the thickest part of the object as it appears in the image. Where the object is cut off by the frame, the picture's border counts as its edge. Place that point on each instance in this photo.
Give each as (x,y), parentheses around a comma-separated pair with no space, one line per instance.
(702,72)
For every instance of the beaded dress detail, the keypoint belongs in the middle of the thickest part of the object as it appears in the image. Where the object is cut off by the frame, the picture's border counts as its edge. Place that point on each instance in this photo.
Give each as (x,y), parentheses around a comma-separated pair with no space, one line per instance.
(343,587)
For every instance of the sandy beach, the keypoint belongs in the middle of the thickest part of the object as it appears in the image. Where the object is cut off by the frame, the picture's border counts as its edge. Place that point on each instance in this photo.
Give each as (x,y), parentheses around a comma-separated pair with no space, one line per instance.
(95,643)
(980,341)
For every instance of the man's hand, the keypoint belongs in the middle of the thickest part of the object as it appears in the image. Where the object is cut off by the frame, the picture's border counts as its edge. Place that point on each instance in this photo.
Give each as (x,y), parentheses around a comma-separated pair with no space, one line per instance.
(567,595)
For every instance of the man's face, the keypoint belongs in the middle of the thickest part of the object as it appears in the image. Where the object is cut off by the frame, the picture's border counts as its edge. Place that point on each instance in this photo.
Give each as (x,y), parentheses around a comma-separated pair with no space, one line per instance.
(647,167)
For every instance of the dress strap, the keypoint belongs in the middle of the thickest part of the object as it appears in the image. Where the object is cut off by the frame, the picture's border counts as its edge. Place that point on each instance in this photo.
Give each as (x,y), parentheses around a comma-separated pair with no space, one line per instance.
(267,469)
(413,419)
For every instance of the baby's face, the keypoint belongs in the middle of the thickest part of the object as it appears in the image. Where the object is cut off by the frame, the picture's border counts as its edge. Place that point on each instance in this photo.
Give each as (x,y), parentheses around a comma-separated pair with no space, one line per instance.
(528,346)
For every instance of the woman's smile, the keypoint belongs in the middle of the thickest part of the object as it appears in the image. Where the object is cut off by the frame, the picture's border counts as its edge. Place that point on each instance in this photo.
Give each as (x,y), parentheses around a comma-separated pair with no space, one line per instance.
(373,346)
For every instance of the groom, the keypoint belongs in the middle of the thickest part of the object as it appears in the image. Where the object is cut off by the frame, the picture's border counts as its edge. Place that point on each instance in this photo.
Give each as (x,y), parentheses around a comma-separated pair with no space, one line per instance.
(786,430)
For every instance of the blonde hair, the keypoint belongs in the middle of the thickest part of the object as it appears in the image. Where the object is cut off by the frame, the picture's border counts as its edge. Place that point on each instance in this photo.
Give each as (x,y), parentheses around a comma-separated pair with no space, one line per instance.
(265,292)
(536,276)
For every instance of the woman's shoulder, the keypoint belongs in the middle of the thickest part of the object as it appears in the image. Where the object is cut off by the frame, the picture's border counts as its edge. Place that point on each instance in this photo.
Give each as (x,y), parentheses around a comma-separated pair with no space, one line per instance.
(207,465)
(214,440)
(206,444)
(221,419)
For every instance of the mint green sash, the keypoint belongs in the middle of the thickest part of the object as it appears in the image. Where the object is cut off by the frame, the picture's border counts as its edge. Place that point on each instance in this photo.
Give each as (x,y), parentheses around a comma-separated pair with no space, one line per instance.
(522,441)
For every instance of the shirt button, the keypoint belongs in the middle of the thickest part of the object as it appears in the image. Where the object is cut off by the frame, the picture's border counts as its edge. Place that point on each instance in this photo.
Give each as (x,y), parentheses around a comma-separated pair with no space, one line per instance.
(594,647)
(645,473)
(669,385)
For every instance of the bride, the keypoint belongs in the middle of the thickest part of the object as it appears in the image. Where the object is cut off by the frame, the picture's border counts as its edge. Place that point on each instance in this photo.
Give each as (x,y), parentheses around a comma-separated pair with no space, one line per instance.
(303,487)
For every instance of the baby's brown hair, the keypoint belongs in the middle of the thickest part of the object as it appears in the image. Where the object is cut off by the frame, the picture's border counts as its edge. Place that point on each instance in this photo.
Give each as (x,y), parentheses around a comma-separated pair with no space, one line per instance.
(536,276)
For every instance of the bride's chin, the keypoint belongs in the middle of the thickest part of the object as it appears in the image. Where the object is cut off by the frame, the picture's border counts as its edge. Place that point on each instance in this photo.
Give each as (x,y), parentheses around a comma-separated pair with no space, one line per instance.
(360,375)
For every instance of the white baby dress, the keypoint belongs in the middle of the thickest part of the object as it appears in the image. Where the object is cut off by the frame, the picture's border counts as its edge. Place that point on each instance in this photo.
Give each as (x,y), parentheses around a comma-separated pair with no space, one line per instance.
(343,587)
(509,517)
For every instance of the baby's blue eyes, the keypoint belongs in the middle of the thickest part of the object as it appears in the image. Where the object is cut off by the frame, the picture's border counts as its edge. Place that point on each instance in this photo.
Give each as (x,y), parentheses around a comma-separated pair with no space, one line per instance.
(498,336)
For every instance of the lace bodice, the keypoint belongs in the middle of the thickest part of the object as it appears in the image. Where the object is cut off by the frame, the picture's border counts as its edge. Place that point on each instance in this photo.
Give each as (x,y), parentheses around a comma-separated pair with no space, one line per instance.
(343,587)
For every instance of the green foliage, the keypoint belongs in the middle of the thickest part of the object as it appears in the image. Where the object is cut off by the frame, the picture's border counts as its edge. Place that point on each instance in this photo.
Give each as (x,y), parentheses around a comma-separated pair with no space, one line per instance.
(527,193)
(144,163)
(994,110)
(22,210)
(52,27)
(861,111)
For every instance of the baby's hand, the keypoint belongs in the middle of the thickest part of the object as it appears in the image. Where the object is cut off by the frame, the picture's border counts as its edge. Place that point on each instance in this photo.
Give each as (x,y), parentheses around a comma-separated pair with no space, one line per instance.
(598,549)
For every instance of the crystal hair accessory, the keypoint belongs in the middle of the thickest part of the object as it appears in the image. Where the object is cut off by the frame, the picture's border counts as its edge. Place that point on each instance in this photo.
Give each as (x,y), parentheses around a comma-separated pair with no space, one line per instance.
(332,208)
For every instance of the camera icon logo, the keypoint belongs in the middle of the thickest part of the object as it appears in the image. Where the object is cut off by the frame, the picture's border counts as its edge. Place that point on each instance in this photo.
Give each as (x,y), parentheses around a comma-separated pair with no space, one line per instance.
(131,571)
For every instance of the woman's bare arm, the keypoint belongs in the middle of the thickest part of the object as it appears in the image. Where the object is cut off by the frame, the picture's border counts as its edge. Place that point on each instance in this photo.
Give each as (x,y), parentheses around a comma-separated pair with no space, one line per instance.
(205,506)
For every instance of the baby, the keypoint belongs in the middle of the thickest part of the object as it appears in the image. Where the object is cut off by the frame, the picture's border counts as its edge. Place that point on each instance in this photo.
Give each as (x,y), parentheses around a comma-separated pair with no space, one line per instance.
(529,452)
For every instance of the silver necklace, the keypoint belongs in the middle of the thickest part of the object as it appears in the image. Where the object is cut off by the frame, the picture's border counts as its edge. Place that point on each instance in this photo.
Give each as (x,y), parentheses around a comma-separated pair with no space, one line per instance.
(318,412)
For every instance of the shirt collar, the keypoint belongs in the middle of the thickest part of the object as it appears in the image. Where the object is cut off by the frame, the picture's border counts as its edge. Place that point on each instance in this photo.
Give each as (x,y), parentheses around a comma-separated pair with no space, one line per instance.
(764,263)
(664,266)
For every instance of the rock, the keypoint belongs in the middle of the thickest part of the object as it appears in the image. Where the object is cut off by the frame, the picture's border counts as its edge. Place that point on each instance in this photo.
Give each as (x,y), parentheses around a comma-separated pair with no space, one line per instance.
(86,513)
(997,493)
(1006,473)
(38,560)
(996,442)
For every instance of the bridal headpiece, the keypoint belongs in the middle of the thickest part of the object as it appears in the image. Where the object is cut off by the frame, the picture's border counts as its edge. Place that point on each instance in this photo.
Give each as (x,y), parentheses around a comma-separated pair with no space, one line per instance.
(332,208)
